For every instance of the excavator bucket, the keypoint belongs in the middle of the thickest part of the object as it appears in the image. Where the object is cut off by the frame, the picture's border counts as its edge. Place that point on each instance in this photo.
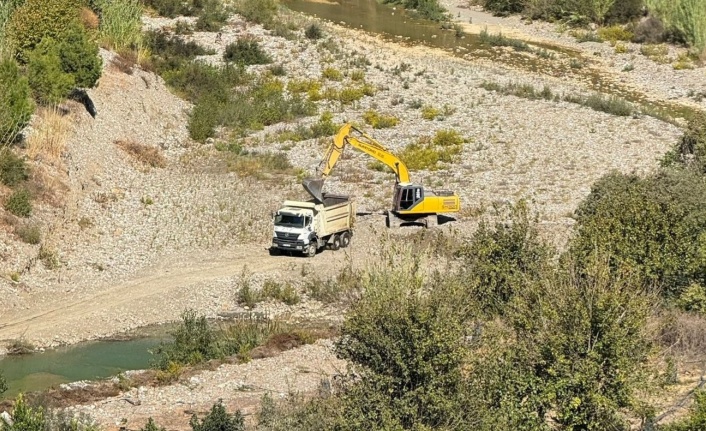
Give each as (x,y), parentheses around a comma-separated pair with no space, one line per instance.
(314,186)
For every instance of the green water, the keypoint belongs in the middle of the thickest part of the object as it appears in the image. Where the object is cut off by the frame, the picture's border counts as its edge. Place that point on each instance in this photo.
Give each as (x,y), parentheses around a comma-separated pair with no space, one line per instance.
(371,16)
(400,26)
(85,361)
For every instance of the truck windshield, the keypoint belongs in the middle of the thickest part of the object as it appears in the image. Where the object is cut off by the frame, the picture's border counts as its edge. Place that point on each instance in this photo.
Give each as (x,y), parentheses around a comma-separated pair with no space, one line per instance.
(289,220)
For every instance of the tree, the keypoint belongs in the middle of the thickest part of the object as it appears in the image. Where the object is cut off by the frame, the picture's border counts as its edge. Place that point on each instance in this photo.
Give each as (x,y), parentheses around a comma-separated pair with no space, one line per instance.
(36,20)
(15,103)
(79,56)
(219,420)
(25,417)
(48,81)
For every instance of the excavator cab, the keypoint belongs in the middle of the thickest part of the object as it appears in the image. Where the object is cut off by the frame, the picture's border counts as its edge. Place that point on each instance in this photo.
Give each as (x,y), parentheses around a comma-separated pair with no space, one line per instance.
(407,196)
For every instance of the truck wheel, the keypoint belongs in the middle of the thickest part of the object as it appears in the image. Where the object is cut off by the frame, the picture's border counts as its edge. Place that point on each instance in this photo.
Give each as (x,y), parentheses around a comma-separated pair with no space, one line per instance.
(274,251)
(336,242)
(345,239)
(311,250)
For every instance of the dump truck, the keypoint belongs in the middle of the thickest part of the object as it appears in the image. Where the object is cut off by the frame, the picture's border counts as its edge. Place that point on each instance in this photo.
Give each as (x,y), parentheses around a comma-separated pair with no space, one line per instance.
(307,226)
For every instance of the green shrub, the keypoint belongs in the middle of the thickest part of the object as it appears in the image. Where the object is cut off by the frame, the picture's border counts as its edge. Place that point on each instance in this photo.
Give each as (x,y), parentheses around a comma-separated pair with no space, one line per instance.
(313,31)
(428,152)
(501,261)
(120,23)
(651,227)
(204,118)
(686,19)
(525,91)
(3,384)
(379,121)
(430,9)
(196,80)
(13,169)
(19,203)
(406,346)
(15,103)
(283,293)
(303,85)
(695,420)
(151,426)
(27,418)
(218,420)
(29,233)
(332,74)
(429,112)
(615,33)
(246,51)
(79,57)
(258,11)
(170,49)
(172,8)
(213,16)
(690,150)
(500,40)
(49,83)
(37,20)
(503,7)
(194,342)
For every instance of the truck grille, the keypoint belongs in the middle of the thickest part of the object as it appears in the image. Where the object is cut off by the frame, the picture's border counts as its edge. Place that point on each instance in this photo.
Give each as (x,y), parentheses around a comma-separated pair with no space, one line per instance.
(287,236)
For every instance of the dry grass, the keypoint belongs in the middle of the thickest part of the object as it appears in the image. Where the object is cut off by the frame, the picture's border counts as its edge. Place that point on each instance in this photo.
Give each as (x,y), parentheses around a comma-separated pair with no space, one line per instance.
(89,19)
(48,140)
(145,154)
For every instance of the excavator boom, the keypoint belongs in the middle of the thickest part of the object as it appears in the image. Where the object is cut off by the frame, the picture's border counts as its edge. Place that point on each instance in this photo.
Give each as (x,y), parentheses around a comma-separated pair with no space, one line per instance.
(362,142)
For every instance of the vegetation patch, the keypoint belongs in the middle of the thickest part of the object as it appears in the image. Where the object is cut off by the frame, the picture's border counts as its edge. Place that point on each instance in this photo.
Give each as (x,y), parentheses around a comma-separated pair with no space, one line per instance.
(429,9)
(380,121)
(502,41)
(429,152)
(145,154)
(246,51)
(13,169)
(525,91)
(324,127)
(19,203)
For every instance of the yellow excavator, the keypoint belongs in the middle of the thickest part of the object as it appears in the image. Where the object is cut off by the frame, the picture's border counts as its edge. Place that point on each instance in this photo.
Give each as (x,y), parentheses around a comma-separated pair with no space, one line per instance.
(412,203)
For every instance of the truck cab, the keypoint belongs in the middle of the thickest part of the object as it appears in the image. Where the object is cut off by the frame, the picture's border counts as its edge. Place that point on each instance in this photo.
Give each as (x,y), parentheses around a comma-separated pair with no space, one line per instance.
(307,226)
(293,229)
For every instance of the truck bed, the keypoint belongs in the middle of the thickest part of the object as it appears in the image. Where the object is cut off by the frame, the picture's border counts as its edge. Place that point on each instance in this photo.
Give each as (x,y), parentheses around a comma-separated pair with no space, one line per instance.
(331,200)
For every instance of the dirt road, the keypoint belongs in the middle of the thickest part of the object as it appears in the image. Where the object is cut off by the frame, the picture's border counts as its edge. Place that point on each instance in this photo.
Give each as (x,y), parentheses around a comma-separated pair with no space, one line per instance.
(207,283)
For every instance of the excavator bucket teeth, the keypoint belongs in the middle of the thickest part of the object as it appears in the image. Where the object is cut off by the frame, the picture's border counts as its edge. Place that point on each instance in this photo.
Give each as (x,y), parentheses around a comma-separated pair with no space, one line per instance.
(314,187)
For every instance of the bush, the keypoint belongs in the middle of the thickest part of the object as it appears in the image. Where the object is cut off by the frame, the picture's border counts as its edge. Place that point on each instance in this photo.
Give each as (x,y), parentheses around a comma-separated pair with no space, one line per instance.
(218,420)
(690,151)
(3,384)
(37,20)
(430,9)
(27,418)
(332,74)
(696,419)
(79,57)
(503,7)
(428,152)
(313,31)
(172,8)
(405,345)
(501,261)
(194,342)
(258,11)
(204,119)
(15,104)
(49,83)
(19,203)
(151,426)
(29,233)
(686,19)
(615,33)
(13,169)
(500,40)
(651,227)
(379,121)
(246,51)
(213,16)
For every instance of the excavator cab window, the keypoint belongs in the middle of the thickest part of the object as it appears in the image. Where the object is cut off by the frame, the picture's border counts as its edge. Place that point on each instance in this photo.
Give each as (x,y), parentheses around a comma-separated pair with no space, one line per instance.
(410,196)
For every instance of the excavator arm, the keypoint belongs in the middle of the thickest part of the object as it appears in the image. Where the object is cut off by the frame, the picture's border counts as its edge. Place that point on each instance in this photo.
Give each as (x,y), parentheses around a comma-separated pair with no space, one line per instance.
(362,142)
